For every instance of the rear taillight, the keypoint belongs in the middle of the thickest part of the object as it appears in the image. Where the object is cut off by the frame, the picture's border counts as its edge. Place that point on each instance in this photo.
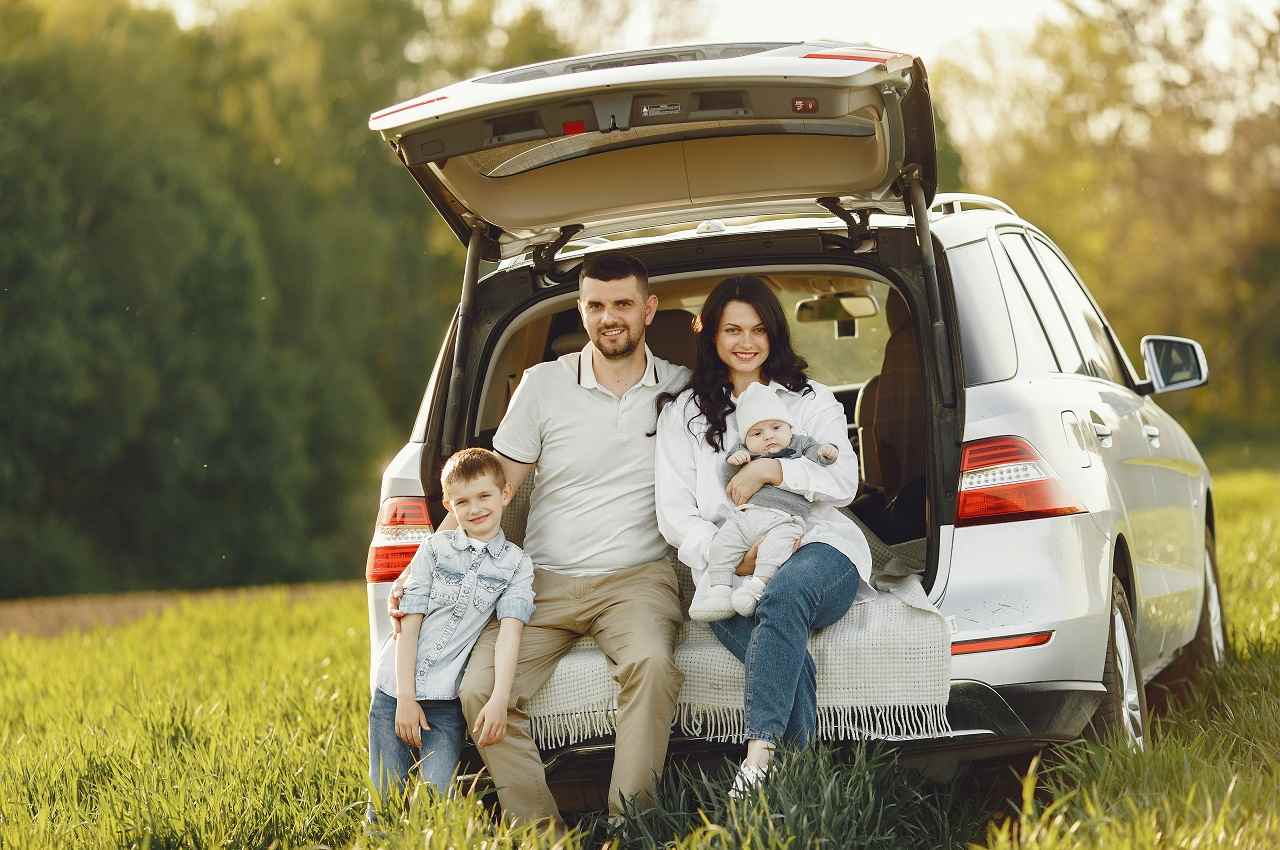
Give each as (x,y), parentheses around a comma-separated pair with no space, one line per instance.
(1004,479)
(968,647)
(403,523)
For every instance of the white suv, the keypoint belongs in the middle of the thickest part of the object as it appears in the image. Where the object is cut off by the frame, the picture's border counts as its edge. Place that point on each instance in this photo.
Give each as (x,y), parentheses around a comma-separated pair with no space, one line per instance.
(1063,522)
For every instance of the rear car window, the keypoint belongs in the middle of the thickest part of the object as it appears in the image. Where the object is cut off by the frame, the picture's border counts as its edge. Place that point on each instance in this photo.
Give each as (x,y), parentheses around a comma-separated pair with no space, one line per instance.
(1034,355)
(1046,304)
(1090,332)
(985,333)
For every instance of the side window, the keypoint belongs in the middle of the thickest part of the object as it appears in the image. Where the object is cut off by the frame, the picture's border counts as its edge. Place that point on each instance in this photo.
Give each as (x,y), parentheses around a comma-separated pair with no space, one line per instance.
(1034,354)
(1090,332)
(1047,308)
(985,334)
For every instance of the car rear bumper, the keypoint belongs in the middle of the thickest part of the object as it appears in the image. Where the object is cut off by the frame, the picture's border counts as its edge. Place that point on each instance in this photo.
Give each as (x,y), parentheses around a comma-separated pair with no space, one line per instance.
(986,722)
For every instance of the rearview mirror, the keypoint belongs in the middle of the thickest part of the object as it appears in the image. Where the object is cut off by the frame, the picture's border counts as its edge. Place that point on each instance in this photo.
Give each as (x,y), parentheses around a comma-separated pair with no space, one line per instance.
(836,307)
(1174,363)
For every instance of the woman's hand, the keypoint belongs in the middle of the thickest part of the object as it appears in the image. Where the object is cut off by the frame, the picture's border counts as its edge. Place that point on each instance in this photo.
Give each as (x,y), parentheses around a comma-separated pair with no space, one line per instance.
(747,566)
(743,485)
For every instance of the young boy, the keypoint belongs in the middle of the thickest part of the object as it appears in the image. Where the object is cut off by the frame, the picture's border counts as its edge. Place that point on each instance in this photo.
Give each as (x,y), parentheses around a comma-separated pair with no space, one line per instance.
(773,517)
(456,581)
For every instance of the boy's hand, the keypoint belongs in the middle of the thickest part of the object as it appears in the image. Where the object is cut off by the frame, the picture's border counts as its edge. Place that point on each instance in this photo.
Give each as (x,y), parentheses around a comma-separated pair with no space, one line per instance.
(738,458)
(491,723)
(410,721)
(829,453)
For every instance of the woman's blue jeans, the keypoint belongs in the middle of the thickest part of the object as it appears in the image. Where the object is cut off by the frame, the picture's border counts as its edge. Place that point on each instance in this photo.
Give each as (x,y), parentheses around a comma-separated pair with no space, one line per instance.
(813,589)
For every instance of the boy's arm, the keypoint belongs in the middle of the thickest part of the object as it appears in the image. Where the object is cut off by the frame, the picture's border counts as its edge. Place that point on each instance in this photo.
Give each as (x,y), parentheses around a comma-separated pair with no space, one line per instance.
(411,590)
(491,723)
(410,721)
(515,607)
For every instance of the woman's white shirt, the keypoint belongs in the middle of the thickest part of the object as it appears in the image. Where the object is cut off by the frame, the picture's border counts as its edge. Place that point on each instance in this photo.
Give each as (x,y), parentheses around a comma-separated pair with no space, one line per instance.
(690,479)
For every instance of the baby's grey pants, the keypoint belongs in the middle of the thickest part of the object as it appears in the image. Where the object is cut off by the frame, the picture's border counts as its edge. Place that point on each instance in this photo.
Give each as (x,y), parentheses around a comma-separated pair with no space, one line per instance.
(776,530)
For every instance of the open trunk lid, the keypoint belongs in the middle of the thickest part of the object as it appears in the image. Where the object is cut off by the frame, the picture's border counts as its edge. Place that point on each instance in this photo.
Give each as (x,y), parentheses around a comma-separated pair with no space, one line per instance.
(616,142)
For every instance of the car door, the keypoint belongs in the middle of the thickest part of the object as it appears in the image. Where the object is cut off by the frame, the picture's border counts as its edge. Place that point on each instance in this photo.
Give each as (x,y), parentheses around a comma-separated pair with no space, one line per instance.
(1158,510)
(1113,435)
(603,144)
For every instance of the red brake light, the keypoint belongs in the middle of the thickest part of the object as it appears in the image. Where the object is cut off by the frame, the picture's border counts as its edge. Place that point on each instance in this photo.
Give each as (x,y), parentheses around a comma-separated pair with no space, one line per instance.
(865,56)
(1004,479)
(965,647)
(403,511)
(403,523)
(572,128)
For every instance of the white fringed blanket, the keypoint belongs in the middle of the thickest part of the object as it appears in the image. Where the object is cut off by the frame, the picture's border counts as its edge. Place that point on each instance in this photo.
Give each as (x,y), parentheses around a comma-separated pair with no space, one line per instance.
(884,671)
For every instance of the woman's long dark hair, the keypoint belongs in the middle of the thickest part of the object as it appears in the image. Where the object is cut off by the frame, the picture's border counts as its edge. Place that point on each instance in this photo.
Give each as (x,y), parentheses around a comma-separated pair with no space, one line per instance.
(712,388)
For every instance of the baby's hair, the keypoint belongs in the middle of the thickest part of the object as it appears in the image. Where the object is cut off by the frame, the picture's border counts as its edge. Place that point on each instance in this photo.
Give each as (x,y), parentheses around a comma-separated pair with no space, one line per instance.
(470,464)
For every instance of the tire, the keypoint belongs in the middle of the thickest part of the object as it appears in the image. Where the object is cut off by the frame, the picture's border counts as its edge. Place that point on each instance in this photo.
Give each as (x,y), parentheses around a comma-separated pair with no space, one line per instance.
(1123,712)
(1209,648)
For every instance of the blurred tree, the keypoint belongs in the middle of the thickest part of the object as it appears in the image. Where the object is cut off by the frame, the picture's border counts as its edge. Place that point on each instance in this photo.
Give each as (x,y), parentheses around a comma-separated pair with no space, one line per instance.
(147,434)
(1154,167)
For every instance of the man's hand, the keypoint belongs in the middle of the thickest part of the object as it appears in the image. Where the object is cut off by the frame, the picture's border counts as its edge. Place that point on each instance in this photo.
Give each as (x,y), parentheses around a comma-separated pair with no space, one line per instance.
(491,723)
(393,605)
(751,478)
(410,720)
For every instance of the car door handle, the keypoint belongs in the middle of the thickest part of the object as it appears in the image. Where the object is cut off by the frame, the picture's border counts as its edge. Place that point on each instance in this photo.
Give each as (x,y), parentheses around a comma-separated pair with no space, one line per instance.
(1152,432)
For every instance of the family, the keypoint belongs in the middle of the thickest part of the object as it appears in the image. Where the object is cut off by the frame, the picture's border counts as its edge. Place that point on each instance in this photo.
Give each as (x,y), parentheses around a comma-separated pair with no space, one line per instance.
(740,465)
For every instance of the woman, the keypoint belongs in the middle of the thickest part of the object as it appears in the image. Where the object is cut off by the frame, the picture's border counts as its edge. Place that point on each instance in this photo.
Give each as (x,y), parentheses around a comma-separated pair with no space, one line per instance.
(743,339)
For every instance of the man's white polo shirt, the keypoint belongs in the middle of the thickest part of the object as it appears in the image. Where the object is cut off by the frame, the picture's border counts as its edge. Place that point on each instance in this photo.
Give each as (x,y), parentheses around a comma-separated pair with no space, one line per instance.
(592,507)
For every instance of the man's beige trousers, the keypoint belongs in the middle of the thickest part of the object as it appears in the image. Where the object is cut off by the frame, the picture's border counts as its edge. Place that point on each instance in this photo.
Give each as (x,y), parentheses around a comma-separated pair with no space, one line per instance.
(633,614)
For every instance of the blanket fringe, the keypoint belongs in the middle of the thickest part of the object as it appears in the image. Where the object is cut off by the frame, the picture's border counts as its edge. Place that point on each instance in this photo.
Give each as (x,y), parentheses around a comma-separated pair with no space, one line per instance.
(718,723)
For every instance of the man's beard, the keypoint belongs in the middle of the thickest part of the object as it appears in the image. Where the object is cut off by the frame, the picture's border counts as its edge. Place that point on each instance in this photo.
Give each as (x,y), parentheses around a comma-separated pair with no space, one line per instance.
(617,347)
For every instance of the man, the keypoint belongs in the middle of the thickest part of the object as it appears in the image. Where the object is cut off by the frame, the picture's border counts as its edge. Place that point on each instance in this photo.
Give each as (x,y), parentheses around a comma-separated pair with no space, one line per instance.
(586,422)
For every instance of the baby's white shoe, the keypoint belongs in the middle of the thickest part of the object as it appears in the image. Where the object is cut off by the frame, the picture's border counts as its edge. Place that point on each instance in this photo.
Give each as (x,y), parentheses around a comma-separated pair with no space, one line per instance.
(747,595)
(712,602)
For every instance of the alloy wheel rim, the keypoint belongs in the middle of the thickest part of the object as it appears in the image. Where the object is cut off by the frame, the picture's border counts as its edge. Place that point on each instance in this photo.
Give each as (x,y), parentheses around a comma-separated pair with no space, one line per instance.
(1217,635)
(1132,705)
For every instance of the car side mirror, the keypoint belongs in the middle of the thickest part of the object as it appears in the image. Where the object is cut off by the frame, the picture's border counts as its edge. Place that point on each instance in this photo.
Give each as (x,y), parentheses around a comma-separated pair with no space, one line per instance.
(1173,363)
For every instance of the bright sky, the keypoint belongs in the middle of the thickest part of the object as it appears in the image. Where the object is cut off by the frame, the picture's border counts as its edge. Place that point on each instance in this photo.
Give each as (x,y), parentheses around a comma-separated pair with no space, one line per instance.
(925,28)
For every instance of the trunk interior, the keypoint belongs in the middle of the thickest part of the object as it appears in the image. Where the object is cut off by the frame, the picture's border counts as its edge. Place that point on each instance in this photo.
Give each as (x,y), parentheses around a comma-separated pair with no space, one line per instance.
(873,363)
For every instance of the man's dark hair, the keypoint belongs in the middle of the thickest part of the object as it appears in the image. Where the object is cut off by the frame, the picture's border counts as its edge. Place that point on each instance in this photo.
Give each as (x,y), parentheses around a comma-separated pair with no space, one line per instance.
(615,266)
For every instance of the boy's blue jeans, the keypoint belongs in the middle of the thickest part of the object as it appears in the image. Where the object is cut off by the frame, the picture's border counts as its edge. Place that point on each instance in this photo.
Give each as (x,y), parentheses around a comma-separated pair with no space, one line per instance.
(391,759)
(813,589)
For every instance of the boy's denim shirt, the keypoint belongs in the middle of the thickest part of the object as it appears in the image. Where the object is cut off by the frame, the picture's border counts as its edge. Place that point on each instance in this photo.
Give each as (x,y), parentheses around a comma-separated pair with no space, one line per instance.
(458,584)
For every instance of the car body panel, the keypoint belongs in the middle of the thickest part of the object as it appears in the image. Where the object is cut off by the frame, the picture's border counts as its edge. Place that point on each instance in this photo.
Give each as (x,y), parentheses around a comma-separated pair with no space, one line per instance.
(529,156)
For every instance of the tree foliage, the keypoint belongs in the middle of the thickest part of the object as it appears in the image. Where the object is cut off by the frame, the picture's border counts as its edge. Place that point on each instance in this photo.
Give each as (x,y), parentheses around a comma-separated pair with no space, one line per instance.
(220,296)
(1143,136)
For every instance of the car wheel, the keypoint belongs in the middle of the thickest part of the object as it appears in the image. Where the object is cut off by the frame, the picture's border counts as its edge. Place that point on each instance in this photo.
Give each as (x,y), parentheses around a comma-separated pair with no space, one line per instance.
(1123,712)
(1209,647)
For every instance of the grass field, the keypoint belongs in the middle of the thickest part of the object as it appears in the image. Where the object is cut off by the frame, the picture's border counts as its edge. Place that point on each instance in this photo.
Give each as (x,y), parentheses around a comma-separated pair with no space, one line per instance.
(237,720)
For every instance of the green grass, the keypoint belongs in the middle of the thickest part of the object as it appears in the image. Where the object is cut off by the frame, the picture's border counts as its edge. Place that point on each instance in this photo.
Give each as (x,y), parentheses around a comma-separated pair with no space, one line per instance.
(240,722)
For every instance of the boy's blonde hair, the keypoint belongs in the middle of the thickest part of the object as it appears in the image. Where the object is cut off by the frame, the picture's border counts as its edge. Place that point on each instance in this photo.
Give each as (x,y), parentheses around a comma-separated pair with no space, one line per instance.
(470,464)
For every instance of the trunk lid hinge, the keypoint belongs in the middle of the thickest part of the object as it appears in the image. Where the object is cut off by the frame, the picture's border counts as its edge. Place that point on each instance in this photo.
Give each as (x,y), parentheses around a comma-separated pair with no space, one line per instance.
(857,222)
(544,255)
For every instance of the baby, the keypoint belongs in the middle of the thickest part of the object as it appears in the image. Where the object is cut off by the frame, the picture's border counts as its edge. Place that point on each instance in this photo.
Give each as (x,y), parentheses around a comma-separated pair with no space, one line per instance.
(773,517)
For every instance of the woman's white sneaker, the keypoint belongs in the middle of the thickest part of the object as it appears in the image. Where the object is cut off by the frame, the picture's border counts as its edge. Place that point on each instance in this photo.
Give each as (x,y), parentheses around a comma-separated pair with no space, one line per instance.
(749,778)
